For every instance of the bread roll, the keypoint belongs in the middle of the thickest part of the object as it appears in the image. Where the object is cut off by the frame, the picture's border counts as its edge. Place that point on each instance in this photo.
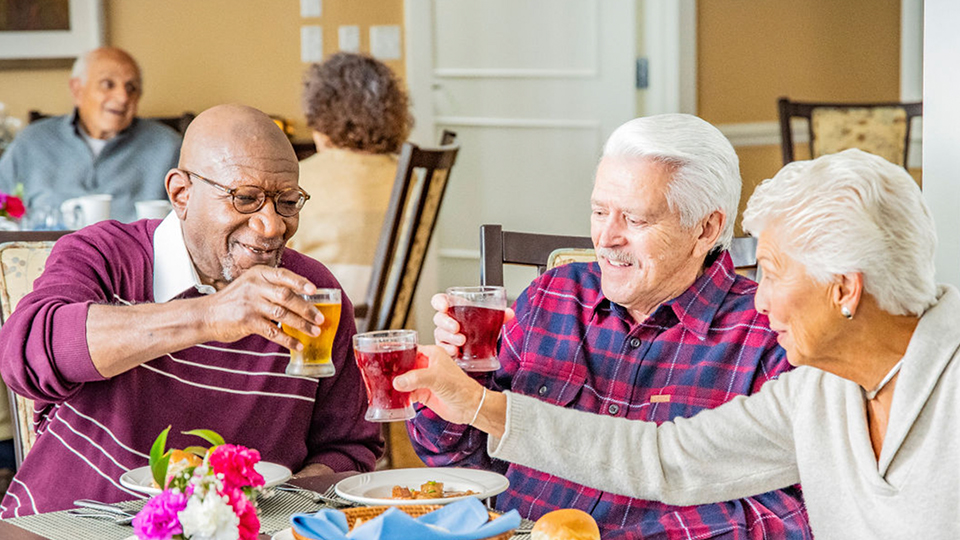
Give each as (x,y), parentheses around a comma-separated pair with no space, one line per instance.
(566,524)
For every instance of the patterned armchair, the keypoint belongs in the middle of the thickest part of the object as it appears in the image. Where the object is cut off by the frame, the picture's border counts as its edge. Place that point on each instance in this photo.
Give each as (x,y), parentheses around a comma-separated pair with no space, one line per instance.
(21,264)
(879,128)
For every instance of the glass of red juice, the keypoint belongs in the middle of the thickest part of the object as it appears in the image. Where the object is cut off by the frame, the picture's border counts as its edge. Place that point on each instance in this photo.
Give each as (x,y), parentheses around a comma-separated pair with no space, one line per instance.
(381,356)
(479,311)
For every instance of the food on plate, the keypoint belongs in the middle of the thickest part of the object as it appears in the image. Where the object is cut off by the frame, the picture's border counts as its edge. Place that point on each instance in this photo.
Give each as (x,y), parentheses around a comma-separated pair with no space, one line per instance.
(428,490)
(179,461)
(566,524)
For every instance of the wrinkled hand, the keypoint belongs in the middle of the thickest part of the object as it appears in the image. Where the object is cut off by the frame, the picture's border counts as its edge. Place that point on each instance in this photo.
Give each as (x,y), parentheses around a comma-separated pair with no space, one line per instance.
(442,386)
(256,301)
(447,332)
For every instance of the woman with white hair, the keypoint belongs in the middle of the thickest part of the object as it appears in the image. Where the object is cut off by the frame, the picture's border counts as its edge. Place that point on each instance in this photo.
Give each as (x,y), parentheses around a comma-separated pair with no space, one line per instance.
(868,423)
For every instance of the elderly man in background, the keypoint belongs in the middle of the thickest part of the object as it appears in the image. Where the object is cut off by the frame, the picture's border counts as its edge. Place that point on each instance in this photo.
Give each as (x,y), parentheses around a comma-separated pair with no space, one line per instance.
(660,327)
(134,327)
(102,147)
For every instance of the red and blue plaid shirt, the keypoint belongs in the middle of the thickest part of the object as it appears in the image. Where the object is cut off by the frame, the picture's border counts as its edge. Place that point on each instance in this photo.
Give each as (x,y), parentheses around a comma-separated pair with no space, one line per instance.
(570,346)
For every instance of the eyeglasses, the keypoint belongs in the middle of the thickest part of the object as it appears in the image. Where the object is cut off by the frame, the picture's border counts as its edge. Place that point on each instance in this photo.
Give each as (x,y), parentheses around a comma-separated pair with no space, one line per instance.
(250,199)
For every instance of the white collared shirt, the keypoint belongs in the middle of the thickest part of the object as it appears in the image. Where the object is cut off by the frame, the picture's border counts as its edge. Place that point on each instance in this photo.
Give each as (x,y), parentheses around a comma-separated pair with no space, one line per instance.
(173,270)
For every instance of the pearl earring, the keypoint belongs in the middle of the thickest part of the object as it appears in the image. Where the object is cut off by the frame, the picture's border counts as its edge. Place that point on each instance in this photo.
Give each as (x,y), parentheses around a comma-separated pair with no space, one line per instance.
(845,311)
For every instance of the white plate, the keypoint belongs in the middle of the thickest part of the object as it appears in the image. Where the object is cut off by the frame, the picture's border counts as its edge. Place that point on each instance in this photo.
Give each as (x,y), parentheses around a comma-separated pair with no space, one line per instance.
(141,479)
(376,487)
(286,534)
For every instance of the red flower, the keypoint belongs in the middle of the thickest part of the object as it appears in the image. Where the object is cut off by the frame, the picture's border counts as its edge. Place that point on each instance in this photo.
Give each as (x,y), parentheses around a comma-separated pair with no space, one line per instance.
(15,207)
(246,511)
(236,463)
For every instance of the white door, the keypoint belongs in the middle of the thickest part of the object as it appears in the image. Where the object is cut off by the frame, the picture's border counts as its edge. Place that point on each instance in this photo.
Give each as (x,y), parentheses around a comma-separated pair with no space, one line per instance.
(532,88)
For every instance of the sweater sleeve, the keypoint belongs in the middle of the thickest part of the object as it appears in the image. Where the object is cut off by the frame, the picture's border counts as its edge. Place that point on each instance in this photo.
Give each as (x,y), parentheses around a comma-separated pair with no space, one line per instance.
(43,346)
(340,437)
(742,448)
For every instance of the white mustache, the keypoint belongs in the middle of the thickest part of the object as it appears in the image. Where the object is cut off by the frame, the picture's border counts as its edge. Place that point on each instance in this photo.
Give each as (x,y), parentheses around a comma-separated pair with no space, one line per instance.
(616,255)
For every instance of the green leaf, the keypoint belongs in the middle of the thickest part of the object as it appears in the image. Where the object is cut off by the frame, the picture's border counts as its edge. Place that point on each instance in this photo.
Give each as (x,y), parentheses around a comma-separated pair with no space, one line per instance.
(159,458)
(196,450)
(208,435)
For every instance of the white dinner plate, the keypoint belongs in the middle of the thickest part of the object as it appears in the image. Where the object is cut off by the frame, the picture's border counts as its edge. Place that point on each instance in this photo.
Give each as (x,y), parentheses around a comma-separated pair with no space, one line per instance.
(286,534)
(375,488)
(141,479)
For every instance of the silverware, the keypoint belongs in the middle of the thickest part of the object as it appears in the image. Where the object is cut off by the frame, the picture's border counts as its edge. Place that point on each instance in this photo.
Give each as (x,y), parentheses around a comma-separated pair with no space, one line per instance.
(119,520)
(102,507)
(314,496)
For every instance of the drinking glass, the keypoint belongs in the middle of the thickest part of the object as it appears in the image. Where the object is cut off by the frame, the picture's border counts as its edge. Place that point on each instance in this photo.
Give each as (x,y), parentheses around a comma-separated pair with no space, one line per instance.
(315,360)
(479,310)
(381,356)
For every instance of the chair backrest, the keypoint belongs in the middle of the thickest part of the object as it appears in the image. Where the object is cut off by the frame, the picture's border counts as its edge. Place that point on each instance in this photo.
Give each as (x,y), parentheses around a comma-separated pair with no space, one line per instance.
(545,251)
(418,189)
(878,128)
(499,247)
(23,255)
(178,123)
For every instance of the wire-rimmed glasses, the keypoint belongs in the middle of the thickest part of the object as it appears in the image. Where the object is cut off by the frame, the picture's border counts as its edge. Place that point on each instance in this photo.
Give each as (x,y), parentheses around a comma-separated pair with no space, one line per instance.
(250,199)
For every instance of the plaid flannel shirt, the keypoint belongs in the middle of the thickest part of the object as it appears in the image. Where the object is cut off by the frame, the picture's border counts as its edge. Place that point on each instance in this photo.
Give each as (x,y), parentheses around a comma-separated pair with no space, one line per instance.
(570,346)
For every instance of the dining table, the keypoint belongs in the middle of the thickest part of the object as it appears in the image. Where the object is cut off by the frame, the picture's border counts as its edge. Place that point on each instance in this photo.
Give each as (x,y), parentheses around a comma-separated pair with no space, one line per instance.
(274,511)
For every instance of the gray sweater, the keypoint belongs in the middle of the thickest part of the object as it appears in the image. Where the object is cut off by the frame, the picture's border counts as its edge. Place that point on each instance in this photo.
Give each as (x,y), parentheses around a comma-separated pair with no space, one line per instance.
(54,163)
(808,426)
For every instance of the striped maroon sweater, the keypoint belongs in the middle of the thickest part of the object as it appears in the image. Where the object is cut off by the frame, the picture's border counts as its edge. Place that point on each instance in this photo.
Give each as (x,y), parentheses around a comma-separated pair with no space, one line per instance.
(92,430)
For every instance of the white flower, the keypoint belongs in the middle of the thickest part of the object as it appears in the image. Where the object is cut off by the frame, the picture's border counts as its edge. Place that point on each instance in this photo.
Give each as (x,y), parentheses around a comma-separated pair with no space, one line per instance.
(209,518)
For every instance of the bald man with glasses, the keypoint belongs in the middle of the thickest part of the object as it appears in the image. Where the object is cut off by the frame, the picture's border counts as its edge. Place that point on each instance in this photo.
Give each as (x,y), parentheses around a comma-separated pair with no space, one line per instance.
(134,327)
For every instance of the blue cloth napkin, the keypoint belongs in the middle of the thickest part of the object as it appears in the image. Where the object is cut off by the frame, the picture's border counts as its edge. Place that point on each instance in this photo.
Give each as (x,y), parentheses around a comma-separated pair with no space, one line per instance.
(462,520)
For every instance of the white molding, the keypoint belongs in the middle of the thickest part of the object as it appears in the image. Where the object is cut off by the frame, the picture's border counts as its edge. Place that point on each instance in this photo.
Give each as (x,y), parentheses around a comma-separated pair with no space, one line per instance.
(670,42)
(502,73)
(561,123)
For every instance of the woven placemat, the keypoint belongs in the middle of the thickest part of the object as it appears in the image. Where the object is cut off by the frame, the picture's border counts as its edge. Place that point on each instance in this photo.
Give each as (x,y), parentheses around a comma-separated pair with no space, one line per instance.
(275,511)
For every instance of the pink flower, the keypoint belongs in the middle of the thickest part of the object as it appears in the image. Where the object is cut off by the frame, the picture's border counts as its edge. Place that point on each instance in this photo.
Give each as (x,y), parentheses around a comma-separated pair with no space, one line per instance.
(14,207)
(158,519)
(236,463)
(246,511)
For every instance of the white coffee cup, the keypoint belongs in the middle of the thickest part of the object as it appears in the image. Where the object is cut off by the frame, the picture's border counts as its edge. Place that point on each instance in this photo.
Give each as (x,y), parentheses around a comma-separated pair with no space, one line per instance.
(87,210)
(156,209)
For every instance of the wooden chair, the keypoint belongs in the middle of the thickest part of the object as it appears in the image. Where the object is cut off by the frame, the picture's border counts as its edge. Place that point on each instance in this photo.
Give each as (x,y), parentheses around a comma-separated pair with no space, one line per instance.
(878,128)
(178,123)
(499,247)
(23,255)
(422,176)
(545,251)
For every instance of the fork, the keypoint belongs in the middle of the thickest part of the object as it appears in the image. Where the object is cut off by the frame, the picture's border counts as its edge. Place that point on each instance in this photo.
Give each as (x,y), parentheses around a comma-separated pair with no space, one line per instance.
(314,496)
(89,513)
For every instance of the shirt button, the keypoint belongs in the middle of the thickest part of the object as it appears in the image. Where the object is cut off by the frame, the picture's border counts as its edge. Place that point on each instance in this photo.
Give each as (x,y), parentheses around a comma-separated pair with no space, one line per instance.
(613,409)
(634,342)
(543,390)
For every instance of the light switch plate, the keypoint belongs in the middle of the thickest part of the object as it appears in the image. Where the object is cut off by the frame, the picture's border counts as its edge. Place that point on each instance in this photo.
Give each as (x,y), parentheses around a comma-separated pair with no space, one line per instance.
(311,43)
(385,42)
(311,8)
(349,37)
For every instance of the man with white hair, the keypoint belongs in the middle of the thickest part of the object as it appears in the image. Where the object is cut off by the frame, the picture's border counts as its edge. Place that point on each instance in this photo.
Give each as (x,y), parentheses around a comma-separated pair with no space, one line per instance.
(659,327)
(102,147)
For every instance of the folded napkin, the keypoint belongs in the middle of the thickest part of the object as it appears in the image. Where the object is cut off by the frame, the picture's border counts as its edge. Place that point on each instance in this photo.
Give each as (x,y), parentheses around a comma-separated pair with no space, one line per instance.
(463,520)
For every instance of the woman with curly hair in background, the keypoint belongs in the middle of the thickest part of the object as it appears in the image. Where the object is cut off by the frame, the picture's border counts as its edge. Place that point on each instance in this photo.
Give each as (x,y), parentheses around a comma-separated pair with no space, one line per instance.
(359,113)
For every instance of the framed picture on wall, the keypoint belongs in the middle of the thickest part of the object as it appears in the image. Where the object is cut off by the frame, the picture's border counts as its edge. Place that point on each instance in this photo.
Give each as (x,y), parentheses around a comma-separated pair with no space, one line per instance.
(48,33)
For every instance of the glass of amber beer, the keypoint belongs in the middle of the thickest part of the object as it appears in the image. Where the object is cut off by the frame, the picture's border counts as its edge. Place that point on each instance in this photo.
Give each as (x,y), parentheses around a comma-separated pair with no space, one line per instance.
(315,358)
(381,356)
(479,311)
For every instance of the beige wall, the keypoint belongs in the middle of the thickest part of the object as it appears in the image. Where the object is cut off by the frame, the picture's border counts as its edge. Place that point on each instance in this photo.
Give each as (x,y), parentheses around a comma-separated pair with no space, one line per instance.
(751,52)
(196,54)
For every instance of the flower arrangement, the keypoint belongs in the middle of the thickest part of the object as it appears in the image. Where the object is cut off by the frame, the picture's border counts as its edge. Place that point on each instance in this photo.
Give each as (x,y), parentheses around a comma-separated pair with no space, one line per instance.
(11,206)
(212,500)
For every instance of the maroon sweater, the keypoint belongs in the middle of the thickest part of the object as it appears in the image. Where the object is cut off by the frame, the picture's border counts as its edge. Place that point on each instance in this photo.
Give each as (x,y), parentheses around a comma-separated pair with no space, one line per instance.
(92,430)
